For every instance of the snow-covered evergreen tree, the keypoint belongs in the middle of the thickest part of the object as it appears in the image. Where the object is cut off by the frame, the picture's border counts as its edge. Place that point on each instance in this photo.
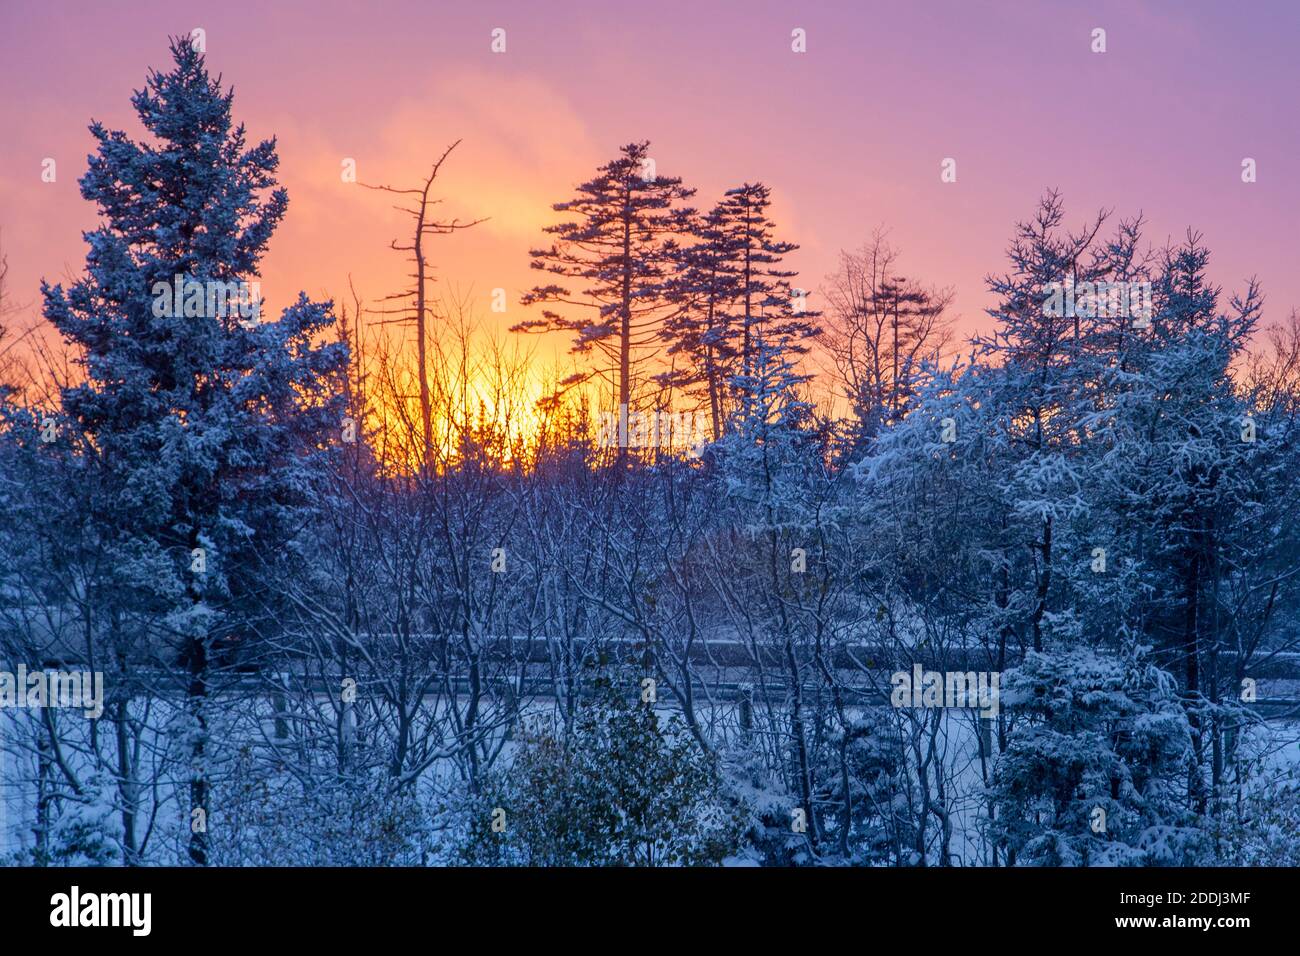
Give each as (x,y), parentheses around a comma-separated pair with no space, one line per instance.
(206,423)
(1094,774)
(622,786)
(1179,488)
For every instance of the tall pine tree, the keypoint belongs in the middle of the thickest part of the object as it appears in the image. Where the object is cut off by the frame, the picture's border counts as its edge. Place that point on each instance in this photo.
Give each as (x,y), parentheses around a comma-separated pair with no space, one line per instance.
(619,245)
(206,427)
(730,288)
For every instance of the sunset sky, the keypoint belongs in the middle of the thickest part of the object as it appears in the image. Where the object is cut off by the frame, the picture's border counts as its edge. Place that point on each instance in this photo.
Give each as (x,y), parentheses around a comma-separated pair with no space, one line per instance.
(849,135)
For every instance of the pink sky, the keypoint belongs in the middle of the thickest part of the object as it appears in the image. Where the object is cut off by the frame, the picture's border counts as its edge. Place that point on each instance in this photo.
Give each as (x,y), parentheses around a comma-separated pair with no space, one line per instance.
(850,135)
